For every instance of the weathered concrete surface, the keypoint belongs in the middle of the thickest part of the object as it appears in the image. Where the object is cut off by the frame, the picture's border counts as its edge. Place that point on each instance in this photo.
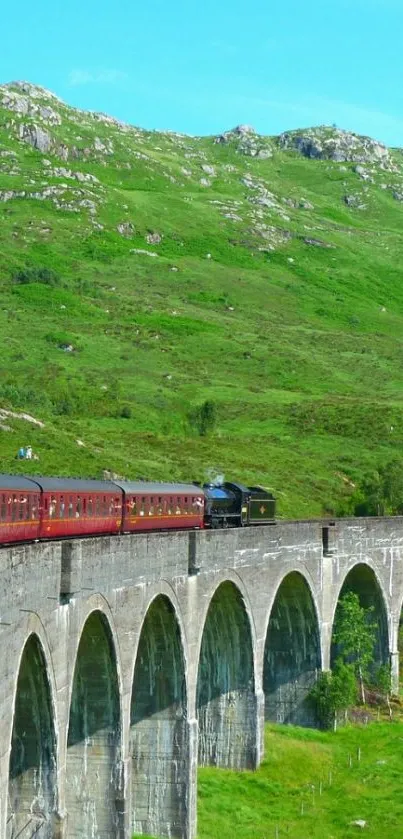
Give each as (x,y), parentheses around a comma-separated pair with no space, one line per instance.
(292,653)
(226,706)
(125,658)
(158,727)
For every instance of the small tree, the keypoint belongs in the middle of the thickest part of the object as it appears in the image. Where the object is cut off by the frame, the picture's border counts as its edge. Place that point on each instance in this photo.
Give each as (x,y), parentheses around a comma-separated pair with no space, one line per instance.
(204,417)
(381,492)
(334,692)
(384,682)
(354,634)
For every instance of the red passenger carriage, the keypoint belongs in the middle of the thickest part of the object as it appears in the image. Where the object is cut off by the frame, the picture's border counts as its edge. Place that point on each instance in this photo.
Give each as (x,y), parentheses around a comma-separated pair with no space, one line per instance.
(72,507)
(52,508)
(19,509)
(154,506)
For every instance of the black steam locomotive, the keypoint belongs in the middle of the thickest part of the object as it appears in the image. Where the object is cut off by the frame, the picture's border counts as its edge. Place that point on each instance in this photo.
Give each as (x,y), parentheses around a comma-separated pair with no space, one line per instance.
(235,505)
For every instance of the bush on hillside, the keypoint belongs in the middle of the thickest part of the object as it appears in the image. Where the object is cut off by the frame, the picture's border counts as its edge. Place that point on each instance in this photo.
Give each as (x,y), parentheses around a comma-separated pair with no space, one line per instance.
(47,276)
(381,492)
(334,692)
(204,417)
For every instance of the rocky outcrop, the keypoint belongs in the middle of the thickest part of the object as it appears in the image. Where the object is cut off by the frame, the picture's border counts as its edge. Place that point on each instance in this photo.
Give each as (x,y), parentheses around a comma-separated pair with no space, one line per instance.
(247,141)
(34,91)
(334,144)
(126,229)
(81,177)
(25,107)
(317,243)
(363,174)
(35,136)
(354,201)
(103,147)
(143,252)
(62,197)
(154,238)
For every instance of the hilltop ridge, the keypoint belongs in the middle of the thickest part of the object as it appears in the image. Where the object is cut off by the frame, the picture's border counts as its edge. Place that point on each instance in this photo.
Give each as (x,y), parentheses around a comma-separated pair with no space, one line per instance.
(145,272)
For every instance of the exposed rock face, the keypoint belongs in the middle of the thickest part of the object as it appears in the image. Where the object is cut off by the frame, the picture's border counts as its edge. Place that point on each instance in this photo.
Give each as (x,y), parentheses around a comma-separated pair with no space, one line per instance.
(363,174)
(35,136)
(354,201)
(337,145)
(317,243)
(248,141)
(126,229)
(82,177)
(154,238)
(242,130)
(104,148)
(35,91)
(143,252)
(301,204)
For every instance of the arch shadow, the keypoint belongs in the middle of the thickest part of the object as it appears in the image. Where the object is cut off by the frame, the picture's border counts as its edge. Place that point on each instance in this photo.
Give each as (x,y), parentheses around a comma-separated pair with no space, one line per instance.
(93,800)
(225,697)
(32,786)
(292,654)
(159,733)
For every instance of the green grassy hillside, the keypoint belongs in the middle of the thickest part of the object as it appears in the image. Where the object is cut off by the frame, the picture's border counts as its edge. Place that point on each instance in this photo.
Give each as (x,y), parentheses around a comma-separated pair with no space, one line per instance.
(310,784)
(144,273)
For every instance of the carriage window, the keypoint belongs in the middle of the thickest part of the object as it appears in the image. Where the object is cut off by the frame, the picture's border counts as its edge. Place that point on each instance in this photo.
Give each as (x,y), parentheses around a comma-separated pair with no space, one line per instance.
(28,508)
(160,508)
(84,506)
(78,507)
(34,508)
(62,506)
(90,507)
(52,508)
(143,505)
(132,506)
(3,508)
(170,506)
(151,509)
(14,508)
(178,507)
(111,506)
(185,504)
(21,511)
(97,506)
(70,507)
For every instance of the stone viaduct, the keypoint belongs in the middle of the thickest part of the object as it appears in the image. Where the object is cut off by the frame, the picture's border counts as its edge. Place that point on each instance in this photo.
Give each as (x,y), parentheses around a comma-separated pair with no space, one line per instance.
(128,661)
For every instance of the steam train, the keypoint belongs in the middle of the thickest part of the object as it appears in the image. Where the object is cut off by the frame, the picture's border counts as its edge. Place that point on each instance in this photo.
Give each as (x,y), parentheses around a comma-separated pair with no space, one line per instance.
(36,508)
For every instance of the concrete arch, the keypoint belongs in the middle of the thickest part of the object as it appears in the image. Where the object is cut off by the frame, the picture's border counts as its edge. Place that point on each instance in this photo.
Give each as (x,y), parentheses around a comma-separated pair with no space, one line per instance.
(161,588)
(292,652)
(203,605)
(95,603)
(226,699)
(34,626)
(94,735)
(363,579)
(159,748)
(32,785)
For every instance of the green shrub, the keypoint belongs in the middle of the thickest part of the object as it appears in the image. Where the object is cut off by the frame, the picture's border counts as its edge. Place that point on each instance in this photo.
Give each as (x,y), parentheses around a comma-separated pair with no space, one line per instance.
(44,275)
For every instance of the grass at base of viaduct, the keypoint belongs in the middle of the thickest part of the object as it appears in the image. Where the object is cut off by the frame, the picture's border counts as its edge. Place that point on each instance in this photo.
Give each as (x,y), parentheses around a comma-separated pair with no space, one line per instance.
(310,783)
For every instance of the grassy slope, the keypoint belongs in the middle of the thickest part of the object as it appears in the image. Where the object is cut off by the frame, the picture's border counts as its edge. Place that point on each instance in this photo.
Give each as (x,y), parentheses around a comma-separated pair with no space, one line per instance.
(279,801)
(302,358)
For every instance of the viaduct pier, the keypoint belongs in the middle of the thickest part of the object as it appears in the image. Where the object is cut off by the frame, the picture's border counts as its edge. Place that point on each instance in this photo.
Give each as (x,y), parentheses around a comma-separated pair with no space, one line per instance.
(128,661)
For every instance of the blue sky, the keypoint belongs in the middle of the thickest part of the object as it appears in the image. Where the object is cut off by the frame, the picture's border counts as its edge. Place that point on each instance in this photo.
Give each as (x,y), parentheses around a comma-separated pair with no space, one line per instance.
(204,67)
